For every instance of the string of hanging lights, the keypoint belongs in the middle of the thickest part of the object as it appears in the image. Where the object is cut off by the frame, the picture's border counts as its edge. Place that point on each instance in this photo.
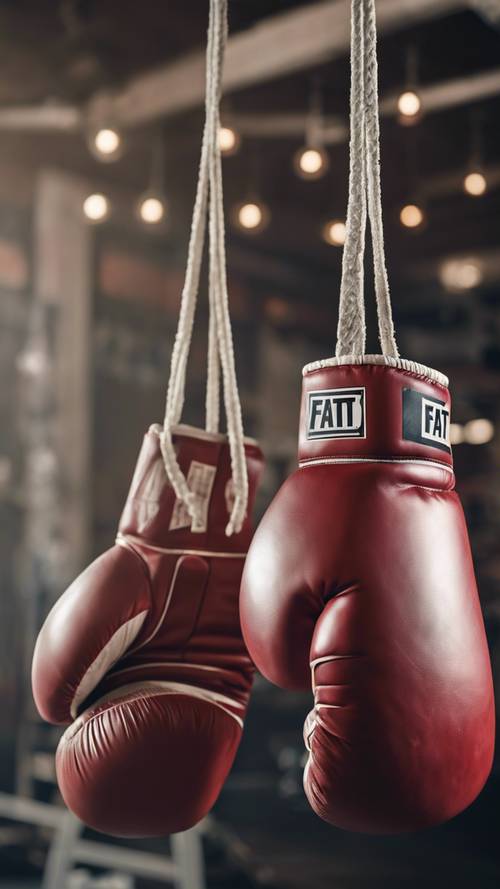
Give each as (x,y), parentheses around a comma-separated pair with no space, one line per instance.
(409,103)
(475,182)
(152,204)
(311,161)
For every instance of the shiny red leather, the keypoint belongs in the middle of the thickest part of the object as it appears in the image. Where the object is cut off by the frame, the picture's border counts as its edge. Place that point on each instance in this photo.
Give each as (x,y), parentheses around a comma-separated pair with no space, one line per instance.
(143,654)
(360,580)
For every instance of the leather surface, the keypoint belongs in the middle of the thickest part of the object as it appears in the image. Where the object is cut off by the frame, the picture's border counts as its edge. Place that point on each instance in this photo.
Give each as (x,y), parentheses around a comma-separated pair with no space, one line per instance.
(147,764)
(384,424)
(142,759)
(360,579)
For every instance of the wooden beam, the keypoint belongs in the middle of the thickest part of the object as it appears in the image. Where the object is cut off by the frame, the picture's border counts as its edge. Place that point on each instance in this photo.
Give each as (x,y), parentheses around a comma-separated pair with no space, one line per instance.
(435,97)
(452,183)
(273,48)
(283,126)
(65,118)
(449,93)
(488,9)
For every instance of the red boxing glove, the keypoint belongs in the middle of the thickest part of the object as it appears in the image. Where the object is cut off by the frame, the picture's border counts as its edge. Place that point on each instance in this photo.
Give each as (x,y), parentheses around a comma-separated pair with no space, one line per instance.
(360,577)
(143,653)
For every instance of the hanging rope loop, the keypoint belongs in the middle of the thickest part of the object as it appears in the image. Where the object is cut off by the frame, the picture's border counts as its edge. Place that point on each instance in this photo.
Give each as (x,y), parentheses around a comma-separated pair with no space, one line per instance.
(364,195)
(208,202)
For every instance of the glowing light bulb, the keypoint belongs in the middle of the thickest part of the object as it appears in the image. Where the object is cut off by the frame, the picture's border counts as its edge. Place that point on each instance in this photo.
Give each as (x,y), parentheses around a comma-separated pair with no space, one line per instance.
(461,274)
(478,432)
(96,207)
(311,163)
(152,209)
(411,216)
(334,232)
(409,105)
(251,216)
(105,143)
(229,140)
(475,183)
(456,433)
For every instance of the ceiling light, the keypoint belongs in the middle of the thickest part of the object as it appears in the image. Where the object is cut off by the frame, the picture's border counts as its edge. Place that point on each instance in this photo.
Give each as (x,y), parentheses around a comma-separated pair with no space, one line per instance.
(475,183)
(151,209)
(96,207)
(456,433)
(461,274)
(409,106)
(311,163)
(106,144)
(411,216)
(334,232)
(107,141)
(251,216)
(229,140)
(152,206)
(409,103)
(478,432)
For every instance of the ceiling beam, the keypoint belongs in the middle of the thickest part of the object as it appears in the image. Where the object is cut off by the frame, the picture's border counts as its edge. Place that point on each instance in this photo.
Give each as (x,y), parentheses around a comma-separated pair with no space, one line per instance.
(273,48)
(289,125)
(449,93)
(435,97)
(443,185)
(488,9)
(32,118)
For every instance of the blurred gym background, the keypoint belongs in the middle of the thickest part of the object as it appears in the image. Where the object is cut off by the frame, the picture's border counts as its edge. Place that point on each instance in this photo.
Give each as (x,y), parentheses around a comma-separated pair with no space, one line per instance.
(100,127)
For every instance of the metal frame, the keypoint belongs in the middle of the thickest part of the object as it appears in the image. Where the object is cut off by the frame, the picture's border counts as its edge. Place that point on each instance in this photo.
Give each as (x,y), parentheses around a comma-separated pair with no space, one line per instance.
(182,869)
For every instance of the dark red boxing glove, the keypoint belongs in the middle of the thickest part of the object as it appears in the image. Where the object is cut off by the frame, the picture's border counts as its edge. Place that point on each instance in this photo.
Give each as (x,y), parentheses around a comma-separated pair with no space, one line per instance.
(360,579)
(143,654)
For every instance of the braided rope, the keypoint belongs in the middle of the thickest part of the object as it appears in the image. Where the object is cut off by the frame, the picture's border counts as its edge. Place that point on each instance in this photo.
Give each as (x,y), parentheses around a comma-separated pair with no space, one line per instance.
(220,343)
(221,305)
(364,176)
(372,147)
(214,91)
(351,331)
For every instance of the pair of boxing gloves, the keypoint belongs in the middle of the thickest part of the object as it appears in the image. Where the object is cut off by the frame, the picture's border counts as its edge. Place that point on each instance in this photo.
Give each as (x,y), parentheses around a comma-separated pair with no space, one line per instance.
(359,583)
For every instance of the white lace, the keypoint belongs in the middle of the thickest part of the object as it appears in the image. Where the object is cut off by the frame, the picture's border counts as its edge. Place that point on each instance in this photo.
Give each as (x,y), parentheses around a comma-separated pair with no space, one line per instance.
(208,202)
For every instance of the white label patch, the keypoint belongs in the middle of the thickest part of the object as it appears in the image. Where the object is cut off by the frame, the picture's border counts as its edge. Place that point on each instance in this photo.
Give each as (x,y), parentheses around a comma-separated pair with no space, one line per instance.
(435,425)
(426,420)
(200,480)
(336,413)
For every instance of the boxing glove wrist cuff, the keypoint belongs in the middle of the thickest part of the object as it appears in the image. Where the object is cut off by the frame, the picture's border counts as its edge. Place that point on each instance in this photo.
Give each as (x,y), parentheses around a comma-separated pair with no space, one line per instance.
(154,515)
(187,431)
(435,376)
(377,407)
